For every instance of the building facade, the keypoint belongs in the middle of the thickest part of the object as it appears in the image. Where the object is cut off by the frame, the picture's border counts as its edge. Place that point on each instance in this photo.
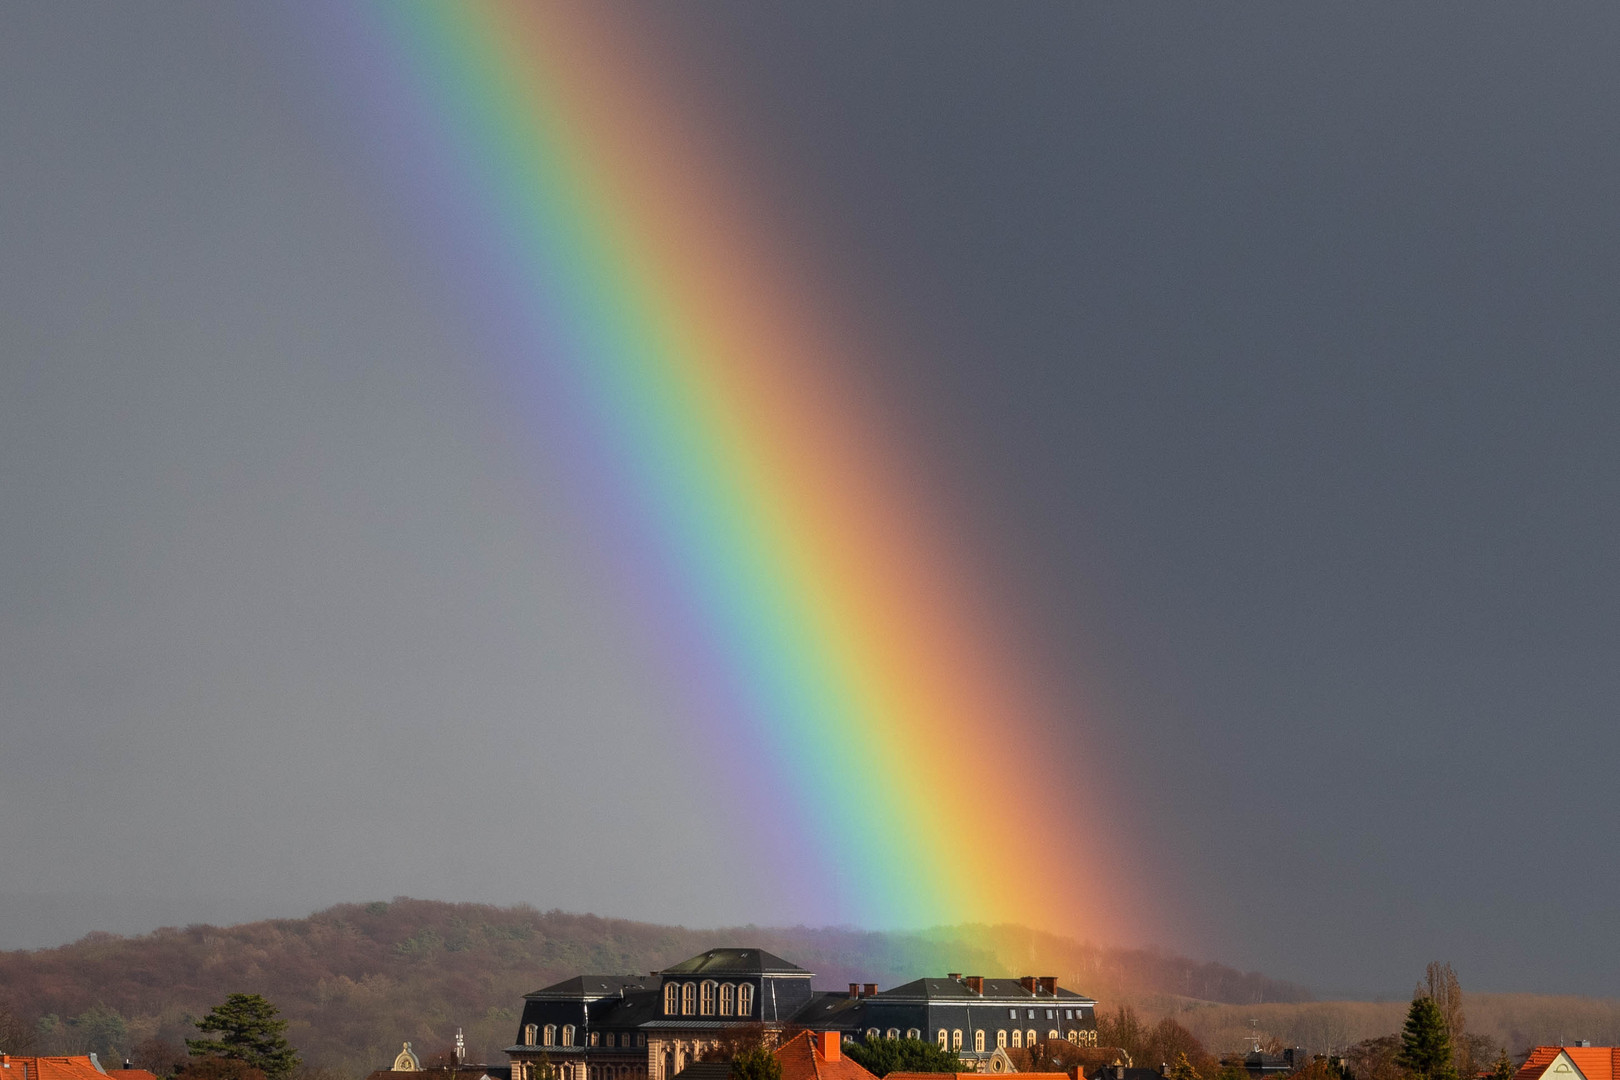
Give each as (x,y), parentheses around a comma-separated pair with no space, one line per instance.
(623,1027)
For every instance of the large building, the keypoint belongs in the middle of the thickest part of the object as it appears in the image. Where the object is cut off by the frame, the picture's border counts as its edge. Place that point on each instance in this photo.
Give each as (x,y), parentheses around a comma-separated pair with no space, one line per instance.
(626,1027)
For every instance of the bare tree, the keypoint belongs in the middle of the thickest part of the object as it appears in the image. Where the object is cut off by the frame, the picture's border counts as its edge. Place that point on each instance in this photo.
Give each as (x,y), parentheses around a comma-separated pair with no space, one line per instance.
(1440,984)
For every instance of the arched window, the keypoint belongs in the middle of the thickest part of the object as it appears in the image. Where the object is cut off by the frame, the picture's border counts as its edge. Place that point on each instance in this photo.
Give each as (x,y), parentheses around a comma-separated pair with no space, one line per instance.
(1073,1036)
(944,1039)
(672,999)
(892,1033)
(871,1033)
(551,1035)
(1030,1036)
(978,1041)
(1001,1039)
(728,999)
(568,1035)
(913,1033)
(688,999)
(529,1032)
(956,1039)
(745,999)
(593,1038)
(1052,1034)
(1018,1039)
(706,998)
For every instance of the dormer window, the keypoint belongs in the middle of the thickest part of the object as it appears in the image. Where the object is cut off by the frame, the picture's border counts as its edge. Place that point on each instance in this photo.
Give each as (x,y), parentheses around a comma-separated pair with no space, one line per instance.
(745,999)
(672,999)
(529,1032)
(706,1002)
(551,1035)
(688,999)
(728,999)
(568,1035)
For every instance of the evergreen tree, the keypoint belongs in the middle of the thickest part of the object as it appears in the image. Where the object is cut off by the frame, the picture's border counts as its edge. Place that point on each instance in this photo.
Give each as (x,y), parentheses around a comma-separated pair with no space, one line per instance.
(1425,1042)
(1182,1069)
(1503,1069)
(880,1057)
(250,1031)
(756,1064)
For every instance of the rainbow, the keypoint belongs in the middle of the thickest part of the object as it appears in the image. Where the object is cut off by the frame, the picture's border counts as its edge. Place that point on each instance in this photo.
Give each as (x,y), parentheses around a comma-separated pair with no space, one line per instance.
(809,608)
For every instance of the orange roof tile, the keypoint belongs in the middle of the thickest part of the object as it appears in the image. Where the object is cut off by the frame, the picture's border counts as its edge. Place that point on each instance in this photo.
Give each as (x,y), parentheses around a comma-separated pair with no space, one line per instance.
(1594,1062)
(802,1059)
(48,1068)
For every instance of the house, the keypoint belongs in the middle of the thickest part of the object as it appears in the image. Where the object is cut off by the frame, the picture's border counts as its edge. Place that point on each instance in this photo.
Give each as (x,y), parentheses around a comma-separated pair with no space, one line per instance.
(631,1027)
(1578,1062)
(819,1055)
(84,1067)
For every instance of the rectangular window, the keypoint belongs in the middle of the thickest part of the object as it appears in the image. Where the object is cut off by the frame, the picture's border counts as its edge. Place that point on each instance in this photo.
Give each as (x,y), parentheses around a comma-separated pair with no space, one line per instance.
(1049,1014)
(1012,1014)
(1068,1014)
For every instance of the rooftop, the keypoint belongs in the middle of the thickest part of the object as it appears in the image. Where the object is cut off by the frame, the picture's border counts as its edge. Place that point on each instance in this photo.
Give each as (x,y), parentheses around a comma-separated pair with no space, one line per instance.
(736,962)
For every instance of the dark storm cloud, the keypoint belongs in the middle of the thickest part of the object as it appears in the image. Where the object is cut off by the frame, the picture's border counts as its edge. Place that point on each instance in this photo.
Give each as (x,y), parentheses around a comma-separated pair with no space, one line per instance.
(1276,345)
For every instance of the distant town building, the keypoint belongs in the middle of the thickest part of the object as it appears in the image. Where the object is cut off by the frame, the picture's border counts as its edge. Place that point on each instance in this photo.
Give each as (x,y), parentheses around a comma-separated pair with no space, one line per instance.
(628,1027)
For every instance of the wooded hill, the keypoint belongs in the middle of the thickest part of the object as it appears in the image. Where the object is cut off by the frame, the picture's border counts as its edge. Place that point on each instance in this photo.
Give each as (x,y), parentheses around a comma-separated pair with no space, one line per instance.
(356,980)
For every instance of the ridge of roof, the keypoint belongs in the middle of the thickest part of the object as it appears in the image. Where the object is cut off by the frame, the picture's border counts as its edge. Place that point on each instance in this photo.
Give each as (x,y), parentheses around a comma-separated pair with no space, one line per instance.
(747,961)
(802,1060)
(601,985)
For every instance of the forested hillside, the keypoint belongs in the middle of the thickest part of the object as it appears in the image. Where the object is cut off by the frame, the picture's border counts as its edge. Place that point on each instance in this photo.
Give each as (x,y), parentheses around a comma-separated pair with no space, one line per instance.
(358,979)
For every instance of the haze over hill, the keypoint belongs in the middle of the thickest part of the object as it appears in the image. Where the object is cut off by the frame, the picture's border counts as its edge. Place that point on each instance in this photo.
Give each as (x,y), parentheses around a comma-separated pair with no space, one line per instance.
(357,979)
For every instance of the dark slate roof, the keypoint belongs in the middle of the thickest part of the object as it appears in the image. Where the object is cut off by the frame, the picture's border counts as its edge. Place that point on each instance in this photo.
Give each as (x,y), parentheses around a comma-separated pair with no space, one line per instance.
(705,1070)
(593,986)
(637,1007)
(1010,991)
(829,1010)
(735,962)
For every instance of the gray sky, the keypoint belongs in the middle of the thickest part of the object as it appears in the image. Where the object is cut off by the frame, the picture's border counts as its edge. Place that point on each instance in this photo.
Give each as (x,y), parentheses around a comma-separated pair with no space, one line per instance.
(1275,346)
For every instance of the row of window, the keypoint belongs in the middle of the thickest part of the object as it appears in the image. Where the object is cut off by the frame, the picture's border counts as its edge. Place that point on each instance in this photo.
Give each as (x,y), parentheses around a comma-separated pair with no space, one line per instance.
(708,998)
(579,1071)
(952,1040)
(548,1037)
(1051,1014)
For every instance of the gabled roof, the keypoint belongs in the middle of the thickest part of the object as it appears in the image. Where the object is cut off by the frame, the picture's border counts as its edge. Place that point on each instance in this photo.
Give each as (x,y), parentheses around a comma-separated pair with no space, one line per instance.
(51,1068)
(591,987)
(1592,1062)
(735,962)
(996,991)
(802,1060)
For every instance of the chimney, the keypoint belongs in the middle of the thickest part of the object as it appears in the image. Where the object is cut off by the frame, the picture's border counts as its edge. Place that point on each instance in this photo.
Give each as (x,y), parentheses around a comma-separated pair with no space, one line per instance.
(975,983)
(1049,984)
(1028,983)
(954,976)
(871,990)
(830,1043)
(854,990)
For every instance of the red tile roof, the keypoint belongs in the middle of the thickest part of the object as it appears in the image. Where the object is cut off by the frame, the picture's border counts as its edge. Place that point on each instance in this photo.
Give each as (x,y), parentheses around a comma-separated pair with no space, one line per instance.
(802,1059)
(50,1068)
(1594,1062)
